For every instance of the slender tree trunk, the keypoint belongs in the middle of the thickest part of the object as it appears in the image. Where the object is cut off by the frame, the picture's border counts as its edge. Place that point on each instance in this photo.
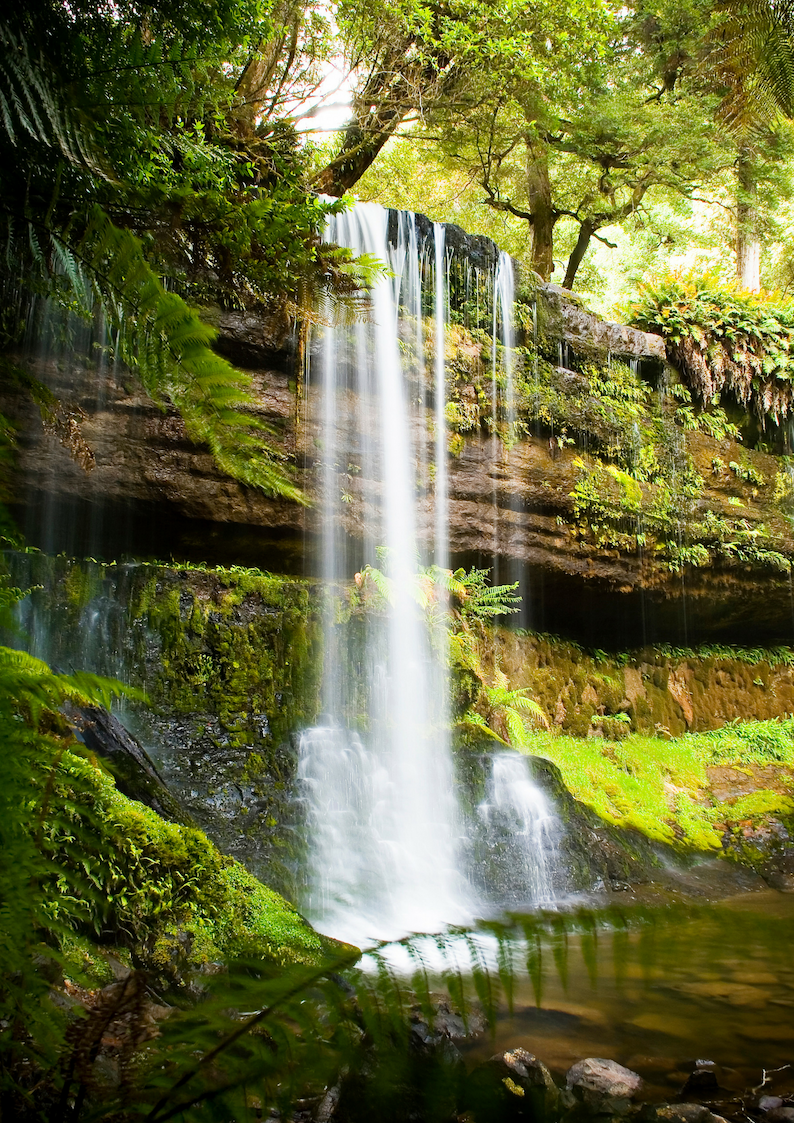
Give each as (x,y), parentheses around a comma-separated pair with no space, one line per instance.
(748,247)
(543,214)
(579,250)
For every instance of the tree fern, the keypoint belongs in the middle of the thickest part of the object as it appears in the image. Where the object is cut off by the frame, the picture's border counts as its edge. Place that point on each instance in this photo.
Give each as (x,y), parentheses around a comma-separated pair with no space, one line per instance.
(752,55)
(29,104)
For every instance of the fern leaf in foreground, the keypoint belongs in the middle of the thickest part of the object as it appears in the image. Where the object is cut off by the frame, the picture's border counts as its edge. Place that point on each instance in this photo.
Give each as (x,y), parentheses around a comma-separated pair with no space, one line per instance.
(165,341)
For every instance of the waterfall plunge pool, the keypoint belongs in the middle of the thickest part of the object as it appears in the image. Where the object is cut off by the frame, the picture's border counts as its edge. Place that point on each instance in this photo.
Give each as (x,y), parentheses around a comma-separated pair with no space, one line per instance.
(655,988)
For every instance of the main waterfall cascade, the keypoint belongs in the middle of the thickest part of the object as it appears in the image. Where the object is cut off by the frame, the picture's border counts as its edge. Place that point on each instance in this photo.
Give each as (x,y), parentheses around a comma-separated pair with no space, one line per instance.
(389,849)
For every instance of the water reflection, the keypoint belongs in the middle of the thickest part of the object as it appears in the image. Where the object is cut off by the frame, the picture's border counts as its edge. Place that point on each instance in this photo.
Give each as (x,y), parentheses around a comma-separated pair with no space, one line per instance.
(652,988)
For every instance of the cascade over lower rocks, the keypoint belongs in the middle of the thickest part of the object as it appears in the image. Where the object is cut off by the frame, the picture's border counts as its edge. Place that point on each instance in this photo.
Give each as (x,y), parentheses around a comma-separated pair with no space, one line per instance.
(387,838)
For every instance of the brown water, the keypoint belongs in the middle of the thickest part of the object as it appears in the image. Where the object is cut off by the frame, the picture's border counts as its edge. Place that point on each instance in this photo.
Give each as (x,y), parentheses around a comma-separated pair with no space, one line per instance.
(657,989)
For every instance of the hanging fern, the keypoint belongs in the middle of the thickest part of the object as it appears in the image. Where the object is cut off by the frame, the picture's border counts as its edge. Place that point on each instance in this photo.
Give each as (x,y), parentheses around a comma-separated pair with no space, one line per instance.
(164,340)
(241,210)
(752,56)
(32,107)
(724,339)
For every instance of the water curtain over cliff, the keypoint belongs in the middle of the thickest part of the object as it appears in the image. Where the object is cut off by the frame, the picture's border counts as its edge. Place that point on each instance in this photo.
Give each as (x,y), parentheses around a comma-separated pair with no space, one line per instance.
(386,836)
(383,820)
(502,378)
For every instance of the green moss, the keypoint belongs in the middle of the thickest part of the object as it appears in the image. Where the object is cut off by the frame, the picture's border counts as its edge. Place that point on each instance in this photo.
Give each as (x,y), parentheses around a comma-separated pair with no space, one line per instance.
(756,807)
(87,964)
(163,890)
(651,785)
(235,643)
(661,787)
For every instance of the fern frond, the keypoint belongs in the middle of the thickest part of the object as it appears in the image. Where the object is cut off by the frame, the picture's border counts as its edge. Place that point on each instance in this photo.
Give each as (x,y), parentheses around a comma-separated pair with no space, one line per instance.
(382,583)
(164,340)
(516,729)
(753,58)
(477,721)
(29,104)
(29,681)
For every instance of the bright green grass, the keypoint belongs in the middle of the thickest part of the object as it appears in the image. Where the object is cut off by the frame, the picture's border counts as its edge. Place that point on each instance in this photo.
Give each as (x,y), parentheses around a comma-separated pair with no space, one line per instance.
(661,788)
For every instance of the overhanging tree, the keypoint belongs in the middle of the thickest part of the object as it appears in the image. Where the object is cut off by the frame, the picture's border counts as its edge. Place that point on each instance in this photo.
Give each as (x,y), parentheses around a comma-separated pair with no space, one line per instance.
(147,160)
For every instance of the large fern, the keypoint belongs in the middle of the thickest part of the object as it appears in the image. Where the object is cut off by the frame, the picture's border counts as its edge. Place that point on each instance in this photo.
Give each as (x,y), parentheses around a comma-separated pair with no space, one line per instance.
(169,346)
(29,104)
(99,267)
(752,57)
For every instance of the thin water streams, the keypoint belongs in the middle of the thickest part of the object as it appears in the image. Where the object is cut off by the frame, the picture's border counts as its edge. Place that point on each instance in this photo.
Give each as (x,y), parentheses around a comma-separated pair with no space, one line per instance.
(397,869)
(389,851)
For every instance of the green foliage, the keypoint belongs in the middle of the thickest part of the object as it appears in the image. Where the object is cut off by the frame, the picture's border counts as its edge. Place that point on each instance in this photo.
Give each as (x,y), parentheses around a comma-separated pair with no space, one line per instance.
(774,656)
(118,867)
(506,712)
(190,199)
(169,347)
(603,407)
(759,742)
(615,509)
(661,787)
(30,729)
(753,56)
(724,340)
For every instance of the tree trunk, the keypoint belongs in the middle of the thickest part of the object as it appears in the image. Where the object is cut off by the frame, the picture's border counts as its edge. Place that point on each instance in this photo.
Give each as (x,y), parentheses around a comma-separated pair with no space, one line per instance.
(579,250)
(543,213)
(358,153)
(748,247)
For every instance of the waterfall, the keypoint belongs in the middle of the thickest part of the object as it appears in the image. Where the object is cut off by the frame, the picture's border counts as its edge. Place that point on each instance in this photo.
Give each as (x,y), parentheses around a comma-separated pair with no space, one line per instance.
(520,832)
(502,336)
(382,818)
(440,317)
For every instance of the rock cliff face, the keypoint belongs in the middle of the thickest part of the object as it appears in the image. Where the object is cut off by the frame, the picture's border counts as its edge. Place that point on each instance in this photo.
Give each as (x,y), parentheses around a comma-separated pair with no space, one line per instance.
(152,492)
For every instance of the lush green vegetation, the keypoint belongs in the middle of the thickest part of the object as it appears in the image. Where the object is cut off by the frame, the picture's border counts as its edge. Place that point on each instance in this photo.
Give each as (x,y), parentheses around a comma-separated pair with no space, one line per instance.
(161,889)
(152,166)
(725,341)
(662,789)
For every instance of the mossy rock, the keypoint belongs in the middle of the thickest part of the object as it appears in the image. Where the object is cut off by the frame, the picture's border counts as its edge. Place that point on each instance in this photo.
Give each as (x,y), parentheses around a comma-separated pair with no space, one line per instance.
(163,890)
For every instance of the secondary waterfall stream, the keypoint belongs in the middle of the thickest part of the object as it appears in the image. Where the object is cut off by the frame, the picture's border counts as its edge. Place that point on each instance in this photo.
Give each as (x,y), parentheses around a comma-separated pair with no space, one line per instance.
(388,849)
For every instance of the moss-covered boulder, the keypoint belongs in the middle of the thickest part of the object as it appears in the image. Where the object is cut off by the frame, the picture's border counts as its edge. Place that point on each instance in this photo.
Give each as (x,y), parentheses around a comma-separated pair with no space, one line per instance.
(162,890)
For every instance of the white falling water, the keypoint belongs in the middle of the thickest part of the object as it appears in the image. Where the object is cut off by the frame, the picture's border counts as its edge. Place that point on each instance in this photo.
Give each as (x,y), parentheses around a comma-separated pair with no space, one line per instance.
(521,830)
(388,849)
(502,345)
(439,366)
(504,334)
(382,815)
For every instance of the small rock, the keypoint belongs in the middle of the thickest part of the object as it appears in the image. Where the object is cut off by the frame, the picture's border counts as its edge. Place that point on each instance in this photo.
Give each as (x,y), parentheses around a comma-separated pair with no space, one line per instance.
(703,1080)
(120,970)
(514,1085)
(769,1103)
(526,1070)
(326,1109)
(679,1113)
(606,1078)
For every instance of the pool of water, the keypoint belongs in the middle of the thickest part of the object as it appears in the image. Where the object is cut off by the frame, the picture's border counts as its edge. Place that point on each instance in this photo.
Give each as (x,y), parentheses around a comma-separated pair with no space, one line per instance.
(654,987)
